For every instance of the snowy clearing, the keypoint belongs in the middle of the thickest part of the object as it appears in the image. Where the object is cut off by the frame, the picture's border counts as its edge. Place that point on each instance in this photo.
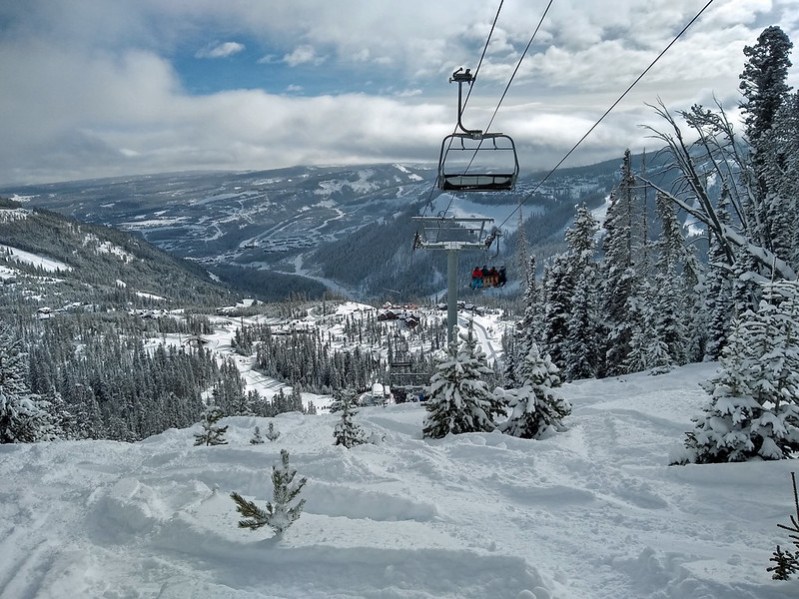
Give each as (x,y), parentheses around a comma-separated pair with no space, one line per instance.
(594,512)
(46,264)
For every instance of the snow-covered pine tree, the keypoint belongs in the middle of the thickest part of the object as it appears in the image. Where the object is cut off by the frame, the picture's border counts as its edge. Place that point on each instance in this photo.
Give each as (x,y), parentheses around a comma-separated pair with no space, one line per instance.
(648,351)
(692,285)
(558,291)
(23,418)
(340,395)
(459,400)
(764,88)
(669,297)
(271,432)
(63,422)
(295,400)
(473,349)
(283,510)
(347,432)
(754,408)
(212,434)
(536,408)
(787,132)
(781,173)
(510,347)
(619,272)
(257,439)
(718,287)
(581,345)
(529,329)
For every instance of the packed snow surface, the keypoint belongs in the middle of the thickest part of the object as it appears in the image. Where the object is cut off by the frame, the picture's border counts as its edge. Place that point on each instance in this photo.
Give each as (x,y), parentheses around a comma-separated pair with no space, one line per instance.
(594,512)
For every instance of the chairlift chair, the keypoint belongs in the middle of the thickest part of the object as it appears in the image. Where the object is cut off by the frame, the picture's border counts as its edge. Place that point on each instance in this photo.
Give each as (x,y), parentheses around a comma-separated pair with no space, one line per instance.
(474,160)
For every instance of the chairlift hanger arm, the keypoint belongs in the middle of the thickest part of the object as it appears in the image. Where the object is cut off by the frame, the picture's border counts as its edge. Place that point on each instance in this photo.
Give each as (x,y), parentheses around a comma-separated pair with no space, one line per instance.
(460,77)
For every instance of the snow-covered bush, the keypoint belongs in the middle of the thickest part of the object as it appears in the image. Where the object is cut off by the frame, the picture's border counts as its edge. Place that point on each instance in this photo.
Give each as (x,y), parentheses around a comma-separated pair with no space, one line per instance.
(536,408)
(279,513)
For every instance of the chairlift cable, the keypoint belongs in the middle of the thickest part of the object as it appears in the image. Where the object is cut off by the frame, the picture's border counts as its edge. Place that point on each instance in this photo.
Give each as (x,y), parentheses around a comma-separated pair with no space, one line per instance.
(512,76)
(612,106)
(519,64)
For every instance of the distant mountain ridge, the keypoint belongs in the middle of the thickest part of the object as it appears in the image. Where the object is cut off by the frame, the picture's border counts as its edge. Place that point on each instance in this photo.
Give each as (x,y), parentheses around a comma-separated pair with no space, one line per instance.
(55,261)
(297,229)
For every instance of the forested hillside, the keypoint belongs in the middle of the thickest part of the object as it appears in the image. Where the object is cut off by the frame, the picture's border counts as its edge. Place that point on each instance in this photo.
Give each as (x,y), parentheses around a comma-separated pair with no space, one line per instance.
(93,264)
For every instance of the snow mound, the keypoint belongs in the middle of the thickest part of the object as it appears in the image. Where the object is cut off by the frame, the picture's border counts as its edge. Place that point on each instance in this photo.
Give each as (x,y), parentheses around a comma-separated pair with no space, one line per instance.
(594,512)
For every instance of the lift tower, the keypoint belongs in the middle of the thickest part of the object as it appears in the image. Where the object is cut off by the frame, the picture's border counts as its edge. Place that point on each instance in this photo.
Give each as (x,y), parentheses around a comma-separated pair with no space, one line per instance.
(453,234)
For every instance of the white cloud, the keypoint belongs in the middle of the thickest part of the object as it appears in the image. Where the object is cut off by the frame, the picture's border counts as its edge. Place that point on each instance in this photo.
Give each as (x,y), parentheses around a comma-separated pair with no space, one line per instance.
(302,55)
(221,50)
(93,91)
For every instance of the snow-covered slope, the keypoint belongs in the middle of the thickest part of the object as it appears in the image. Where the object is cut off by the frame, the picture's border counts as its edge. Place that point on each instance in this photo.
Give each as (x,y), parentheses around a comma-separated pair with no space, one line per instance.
(594,512)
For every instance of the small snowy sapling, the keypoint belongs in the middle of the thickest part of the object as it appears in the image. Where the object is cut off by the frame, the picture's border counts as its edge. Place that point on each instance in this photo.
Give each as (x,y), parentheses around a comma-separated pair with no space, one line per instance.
(279,513)
(211,433)
(347,432)
(272,433)
(787,562)
(257,439)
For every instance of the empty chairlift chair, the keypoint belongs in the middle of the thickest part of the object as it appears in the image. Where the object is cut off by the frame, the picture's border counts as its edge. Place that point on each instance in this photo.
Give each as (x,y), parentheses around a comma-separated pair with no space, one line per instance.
(473,160)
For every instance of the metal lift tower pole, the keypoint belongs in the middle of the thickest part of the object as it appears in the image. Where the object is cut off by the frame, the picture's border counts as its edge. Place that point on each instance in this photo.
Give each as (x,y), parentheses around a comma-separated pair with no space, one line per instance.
(453,234)
(452,294)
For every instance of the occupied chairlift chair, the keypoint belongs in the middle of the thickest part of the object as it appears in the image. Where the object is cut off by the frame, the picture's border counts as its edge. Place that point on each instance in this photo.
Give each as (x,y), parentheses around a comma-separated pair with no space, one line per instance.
(473,160)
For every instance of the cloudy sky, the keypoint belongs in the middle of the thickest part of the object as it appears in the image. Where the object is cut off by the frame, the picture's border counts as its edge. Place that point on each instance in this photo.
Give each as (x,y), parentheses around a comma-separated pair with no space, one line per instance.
(94,88)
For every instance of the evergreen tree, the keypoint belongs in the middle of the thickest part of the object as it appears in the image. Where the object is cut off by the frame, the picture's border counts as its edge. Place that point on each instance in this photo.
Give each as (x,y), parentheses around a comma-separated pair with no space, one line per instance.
(257,439)
(754,407)
(22,416)
(786,562)
(536,408)
(648,350)
(341,396)
(459,400)
(780,157)
(718,293)
(62,421)
(283,510)
(670,297)
(212,434)
(619,273)
(763,81)
(581,345)
(475,351)
(764,88)
(558,294)
(529,329)
(272,433)
(348,433)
